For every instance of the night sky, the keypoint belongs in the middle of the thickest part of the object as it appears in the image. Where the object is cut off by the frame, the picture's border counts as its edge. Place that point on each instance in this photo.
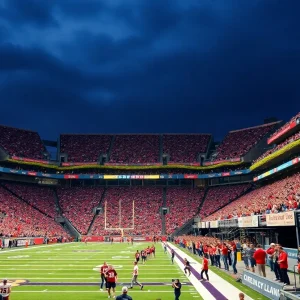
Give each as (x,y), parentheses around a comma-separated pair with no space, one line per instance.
(131,66)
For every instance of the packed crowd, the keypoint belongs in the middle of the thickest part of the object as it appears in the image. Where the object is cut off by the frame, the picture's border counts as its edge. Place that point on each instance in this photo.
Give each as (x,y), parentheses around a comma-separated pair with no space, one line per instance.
(130,207)
(85,147)
(238,143)
(77,204)
(20,219)
(23,143)
(286,125)
(41,198)
(135,149)
(224,253)
(289,140)
(280,196)
(219,196)
(183,203)
(185,147)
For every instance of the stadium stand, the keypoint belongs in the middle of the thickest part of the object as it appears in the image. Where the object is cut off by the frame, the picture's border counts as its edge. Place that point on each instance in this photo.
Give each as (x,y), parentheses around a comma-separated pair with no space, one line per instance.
(85,147)
(135,149)
(147,202)
(22,143)
(183,203)
(237,143)
(20,219)
(289,140)
(77,205)
(219,196)
(185,147)
(276,197)
(41,198)
(285,126)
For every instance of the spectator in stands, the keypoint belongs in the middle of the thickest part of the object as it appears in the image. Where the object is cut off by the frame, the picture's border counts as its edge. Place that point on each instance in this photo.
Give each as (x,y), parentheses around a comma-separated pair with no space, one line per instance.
(283,265)
(260,259)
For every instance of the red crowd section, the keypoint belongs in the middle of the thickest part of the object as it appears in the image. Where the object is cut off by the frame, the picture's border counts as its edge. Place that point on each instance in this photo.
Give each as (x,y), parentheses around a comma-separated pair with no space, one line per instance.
(238,143)
(183,203)
(219,196)
(77,204)
(17,218)
(23,143)
(280,196)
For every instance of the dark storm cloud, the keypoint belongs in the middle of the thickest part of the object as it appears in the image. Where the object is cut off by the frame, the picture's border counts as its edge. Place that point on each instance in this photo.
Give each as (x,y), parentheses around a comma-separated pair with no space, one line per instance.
(28,12)
(148,66)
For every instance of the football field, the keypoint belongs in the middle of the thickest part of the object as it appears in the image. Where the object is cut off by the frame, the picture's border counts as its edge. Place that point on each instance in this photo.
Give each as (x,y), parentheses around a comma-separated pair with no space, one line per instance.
(71,271)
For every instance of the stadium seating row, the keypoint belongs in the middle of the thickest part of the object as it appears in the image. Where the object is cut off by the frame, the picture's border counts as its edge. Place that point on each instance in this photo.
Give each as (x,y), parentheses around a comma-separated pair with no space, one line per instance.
(279,196)
(289,140)
(132,148)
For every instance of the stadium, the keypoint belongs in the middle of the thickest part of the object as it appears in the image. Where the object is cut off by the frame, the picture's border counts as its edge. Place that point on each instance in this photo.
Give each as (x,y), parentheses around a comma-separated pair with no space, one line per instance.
(68,205)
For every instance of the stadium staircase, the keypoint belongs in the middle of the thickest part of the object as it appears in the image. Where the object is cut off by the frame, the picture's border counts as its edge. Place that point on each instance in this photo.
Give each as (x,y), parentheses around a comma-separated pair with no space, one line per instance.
(57,220)
(242,194)
(57,205)
(22,199)
(203,199)
(161,147)
(186,228)
(97,212)
(64,221)
(112,141)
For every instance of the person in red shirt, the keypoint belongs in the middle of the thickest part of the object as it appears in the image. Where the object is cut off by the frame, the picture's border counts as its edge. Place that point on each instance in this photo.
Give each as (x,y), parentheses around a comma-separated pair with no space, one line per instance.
(260,258)
(137,256)
(270,251)
(111,280)
(224,251)
(204,268)
(283,265)
(103,270)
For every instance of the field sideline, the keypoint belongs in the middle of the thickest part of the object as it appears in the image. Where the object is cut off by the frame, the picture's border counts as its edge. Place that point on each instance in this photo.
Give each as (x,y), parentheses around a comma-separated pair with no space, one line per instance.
(70,271)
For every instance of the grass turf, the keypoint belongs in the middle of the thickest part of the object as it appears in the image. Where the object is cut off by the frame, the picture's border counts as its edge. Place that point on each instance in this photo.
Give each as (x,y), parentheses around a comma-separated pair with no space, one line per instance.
(78,263)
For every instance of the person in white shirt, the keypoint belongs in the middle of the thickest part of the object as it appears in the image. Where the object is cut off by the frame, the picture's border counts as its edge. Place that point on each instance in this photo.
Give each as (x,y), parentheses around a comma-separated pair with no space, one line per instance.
(135,275)
(5,290)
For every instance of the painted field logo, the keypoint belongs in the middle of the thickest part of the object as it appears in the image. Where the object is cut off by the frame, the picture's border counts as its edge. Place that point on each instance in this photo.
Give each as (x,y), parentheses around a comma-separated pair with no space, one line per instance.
(86,251)
(17,282)
(116,267)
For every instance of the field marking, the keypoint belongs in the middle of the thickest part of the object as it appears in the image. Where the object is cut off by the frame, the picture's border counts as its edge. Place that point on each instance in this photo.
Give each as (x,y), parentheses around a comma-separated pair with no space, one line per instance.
(131,291)
(38,247)
(129,278)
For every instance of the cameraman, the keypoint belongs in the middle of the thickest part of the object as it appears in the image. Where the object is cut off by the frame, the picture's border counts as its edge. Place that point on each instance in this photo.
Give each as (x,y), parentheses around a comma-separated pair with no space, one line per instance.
(177,288)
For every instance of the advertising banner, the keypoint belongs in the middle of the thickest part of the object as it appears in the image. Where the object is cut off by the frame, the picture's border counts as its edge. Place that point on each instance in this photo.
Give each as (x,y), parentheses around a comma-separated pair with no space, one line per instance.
(214,224)
(281,219)
(270,289)
(250,221)
(216,162)
(277,169)
(282,132)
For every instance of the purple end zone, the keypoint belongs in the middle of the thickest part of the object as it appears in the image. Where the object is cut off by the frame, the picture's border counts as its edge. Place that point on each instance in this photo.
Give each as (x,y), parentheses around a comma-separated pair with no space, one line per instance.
(206,284)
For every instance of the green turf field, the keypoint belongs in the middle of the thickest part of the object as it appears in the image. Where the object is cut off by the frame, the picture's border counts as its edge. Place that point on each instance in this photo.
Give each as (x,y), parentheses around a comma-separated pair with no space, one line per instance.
(64,264)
